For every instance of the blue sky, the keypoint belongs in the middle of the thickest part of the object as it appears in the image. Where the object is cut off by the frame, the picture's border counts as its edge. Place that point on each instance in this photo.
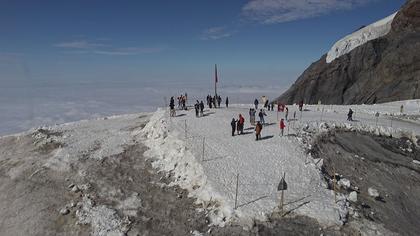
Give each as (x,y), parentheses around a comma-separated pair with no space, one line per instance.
(63,61)
(270,41)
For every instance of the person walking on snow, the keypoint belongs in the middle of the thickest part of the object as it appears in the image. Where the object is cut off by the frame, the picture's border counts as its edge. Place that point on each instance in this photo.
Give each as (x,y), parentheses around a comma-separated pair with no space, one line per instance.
(219,100)
(350,115)
(172,107)
(241,123)
(215,101)
(258,129)
(252,116)
(227,102)
(196,107)
(256,104)
(286,114)
(261,115)
(233,125)
(301,105)
(282,126)
(201,108)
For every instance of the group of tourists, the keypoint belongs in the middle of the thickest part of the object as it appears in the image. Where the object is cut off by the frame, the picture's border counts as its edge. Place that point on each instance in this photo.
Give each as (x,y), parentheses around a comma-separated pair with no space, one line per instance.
(238,125)
(215,101)
(182,101)
(199,109)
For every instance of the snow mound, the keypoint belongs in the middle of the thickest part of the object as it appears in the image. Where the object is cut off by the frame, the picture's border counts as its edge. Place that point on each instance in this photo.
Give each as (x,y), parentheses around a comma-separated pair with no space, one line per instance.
(360,37)
(104,221)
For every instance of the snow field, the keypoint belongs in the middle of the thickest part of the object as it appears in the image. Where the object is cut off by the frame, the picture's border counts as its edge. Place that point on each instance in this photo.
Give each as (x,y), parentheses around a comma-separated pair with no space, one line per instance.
(260,166)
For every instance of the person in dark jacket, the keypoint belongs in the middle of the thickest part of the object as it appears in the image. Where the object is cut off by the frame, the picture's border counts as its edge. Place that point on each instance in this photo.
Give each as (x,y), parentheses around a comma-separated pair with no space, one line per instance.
(261,115)
(172,107)
(215,101)
(258,129)
(301,105)
(201,108)
(233,125)
(197,108)
(227,102)
(350,115)
(256,104)
(252,116)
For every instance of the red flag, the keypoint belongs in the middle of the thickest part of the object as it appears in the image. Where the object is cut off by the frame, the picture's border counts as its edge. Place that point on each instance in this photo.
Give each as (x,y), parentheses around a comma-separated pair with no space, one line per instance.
(215,73)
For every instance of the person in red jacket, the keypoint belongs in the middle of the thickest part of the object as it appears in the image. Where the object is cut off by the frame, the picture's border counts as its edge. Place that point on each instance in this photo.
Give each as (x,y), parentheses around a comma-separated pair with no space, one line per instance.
(241,123)
(282,126)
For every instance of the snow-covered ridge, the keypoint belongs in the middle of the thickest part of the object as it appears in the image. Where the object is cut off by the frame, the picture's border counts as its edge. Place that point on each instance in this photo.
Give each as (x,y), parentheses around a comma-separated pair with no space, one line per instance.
(360,37)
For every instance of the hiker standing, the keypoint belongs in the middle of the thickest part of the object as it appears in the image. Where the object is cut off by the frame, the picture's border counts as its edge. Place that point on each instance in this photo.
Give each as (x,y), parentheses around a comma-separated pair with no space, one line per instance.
(252,116)
(196,107)
(233,125)
(210,102)
(219,100)
(241,123)
(301,105)
(258,129)
(256,104)
(183,101)
(215,101)
(286,114)
(201,108)
(227,102)
(172,107)
(282,126)
(350,115)
(261,115)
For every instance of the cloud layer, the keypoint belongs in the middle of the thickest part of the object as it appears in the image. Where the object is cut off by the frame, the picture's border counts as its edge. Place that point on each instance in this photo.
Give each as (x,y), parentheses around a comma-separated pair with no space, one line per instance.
(85,46)
(278,11)
(215,33)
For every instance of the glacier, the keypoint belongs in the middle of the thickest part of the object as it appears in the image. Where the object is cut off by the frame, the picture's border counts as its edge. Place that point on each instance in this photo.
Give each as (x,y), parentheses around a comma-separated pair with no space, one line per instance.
(360,37)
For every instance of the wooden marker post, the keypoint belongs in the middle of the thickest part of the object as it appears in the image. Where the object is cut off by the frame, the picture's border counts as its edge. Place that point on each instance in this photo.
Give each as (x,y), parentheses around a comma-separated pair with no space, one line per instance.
(185,129)
(334,186)
(204,140)
(281,187)
(236,191)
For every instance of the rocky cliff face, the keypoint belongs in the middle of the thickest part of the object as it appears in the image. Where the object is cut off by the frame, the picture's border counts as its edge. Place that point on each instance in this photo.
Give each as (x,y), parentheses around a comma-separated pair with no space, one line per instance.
(381,70)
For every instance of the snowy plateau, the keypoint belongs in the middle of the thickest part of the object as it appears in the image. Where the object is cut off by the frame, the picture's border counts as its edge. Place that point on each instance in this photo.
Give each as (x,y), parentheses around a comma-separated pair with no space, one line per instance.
(232,179)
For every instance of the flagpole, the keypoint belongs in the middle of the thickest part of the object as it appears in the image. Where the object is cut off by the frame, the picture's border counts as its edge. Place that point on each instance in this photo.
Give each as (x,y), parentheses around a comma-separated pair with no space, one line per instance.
(215,80)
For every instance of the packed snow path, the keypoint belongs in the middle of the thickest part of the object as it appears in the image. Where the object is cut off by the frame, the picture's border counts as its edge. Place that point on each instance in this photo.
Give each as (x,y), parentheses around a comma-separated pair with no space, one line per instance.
(260,164)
